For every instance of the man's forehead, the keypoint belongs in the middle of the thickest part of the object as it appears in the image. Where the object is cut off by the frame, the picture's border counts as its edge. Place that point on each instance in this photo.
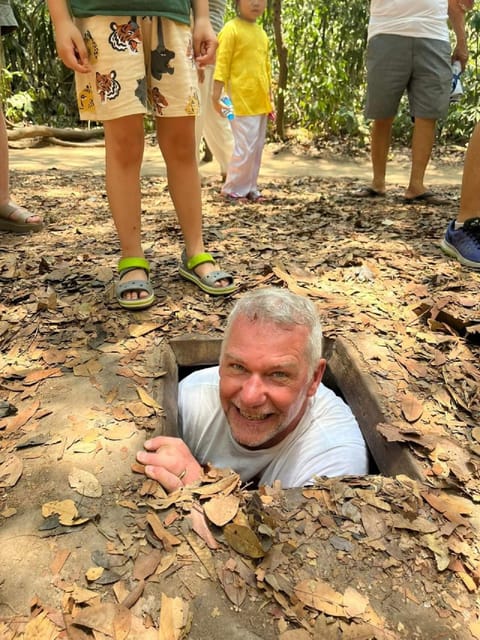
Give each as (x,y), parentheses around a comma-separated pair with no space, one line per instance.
(246,334)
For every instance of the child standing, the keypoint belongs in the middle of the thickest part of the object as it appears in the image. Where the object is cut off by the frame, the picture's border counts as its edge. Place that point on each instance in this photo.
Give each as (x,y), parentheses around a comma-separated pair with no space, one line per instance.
(209,124)
(13,217)
(243,71)
(125,54)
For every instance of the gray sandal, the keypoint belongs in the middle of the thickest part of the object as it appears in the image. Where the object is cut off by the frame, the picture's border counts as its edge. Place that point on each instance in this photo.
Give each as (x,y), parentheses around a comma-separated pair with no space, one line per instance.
(130,264)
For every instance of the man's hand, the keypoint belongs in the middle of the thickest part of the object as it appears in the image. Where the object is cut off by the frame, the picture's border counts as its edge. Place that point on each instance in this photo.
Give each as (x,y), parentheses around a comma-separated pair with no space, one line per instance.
(170,462)
(460,53)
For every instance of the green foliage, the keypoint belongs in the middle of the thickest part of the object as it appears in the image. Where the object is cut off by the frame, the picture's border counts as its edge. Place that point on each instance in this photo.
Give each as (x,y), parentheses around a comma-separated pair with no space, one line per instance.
(39,88)
(326,44)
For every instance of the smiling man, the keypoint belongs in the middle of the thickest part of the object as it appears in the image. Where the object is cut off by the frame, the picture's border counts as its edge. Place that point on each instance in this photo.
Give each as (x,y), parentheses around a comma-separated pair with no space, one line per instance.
(263,411)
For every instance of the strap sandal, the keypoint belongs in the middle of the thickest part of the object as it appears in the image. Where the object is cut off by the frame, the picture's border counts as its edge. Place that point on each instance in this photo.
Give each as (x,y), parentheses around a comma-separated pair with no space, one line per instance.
(14,218)
(126,265)
(207,283)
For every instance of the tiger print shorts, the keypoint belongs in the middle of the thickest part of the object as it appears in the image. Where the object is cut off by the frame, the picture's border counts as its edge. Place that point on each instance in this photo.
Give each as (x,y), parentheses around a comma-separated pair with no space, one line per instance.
(138,64)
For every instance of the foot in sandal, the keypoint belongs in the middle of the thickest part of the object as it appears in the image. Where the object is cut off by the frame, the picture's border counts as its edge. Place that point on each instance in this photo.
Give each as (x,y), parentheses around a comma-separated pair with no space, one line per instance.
(16,219)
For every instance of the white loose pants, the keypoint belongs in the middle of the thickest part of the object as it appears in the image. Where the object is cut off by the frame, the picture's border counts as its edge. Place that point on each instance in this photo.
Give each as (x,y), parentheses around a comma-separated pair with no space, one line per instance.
(211,126)
(249,139)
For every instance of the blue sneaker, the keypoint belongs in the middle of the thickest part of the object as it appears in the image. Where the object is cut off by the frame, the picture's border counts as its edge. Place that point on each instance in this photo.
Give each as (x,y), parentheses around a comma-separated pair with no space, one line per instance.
(464,243)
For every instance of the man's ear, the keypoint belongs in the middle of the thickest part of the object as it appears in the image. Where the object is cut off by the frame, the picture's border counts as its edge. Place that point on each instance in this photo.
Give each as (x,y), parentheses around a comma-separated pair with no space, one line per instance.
(317,377)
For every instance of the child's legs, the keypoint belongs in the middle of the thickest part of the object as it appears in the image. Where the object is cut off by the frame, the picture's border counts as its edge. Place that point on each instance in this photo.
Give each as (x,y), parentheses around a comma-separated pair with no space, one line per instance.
(115,92)
(176,138)
(242,169)
(258,152)
(124,144)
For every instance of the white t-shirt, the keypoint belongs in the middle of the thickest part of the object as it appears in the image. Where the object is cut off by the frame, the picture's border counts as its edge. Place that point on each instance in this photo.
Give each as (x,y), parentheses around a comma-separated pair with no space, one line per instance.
(326,442)
(414,18)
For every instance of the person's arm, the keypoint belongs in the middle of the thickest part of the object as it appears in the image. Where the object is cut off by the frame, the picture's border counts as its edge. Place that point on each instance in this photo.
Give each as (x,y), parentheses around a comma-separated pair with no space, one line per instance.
(456,16)
(170,462)
(70,45)
(204,38)
(216,95)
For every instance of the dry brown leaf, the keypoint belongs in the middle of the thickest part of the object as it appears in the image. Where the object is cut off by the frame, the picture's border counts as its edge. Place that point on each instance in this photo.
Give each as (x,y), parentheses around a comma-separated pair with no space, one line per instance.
(99,617)
(233,585)
(355,603)
(59,560)
(412,408)
(203,553)
(122,623)
(438,546)
(65,509)
(200,526)
(85,483)
(121,431)
(420,524)
(168,539)
(225,486)
(374,524)
(93,573)
(174,618)
(147,399)
(10,471)
(448,503)
(140,410)
(138,330)
(221,509)
(476,433)
(146,564)
(243,540)
(320,596)
(40,628)
(38,376)
(474,628)
(22,417)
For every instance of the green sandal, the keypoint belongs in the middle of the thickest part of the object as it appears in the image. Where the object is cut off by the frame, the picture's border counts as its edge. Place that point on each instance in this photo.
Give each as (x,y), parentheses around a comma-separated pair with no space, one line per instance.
(207,283)
(130,264)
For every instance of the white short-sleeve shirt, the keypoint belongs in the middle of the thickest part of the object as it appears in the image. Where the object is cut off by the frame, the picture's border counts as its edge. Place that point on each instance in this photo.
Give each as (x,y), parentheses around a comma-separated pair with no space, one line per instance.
(326,442)
(414,18)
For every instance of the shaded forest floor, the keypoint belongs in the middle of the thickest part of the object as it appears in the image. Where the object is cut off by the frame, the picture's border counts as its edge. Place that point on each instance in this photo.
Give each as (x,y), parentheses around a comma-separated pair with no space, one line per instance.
(373,267)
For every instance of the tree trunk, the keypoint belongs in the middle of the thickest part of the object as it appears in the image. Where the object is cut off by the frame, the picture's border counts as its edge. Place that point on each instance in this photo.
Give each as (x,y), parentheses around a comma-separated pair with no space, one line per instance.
(39,131)
(282,54)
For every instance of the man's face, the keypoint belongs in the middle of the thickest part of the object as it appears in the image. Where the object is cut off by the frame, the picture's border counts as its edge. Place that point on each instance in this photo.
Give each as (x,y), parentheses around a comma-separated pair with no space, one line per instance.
(264,382)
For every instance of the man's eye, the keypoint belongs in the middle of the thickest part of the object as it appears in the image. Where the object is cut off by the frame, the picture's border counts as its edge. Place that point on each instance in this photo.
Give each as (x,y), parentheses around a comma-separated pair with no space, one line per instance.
(236,367)
(279,375)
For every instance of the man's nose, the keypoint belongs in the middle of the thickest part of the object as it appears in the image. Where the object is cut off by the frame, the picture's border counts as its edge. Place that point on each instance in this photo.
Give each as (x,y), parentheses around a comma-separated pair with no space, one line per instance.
(253,391)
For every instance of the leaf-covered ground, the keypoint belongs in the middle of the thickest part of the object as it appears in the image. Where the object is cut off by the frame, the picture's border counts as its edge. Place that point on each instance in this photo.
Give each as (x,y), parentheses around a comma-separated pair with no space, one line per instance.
(78,372)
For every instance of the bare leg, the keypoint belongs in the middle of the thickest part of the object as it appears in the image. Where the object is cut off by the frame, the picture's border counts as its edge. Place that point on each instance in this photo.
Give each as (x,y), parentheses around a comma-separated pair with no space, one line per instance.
(124,144)
(422,145)
(4,173)
(470,194)
(5,179)
(176,138)
(380,144)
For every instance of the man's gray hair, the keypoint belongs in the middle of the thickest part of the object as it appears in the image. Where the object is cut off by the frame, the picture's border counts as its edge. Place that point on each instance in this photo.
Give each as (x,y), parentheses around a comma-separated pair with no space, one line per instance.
(283,308)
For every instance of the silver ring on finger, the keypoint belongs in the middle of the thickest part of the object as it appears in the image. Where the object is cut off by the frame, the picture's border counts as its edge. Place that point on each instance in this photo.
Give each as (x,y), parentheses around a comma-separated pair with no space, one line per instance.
(182,475)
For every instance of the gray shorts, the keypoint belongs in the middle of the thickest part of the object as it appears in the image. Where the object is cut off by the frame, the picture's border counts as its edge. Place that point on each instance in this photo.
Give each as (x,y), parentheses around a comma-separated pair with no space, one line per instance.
(421,66)
(7,17)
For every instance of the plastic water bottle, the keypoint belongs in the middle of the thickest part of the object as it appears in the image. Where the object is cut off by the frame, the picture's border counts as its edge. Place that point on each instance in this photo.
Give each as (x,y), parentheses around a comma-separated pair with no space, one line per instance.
(456,91)
(227,109)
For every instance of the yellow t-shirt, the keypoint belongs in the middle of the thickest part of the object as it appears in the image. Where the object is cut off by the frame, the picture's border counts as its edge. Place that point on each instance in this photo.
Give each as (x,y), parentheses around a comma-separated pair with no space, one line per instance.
(243,65)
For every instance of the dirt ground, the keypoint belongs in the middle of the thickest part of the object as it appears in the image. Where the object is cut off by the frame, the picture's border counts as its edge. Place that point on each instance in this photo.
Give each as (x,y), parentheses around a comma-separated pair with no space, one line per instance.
(81,383)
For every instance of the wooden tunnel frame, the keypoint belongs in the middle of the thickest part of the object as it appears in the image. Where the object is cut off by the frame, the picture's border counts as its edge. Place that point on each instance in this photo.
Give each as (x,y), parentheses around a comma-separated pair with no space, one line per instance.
(344,374)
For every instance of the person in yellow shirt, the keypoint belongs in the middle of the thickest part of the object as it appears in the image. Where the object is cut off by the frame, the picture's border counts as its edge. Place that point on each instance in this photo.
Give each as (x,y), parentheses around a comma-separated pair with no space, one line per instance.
(243,72)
